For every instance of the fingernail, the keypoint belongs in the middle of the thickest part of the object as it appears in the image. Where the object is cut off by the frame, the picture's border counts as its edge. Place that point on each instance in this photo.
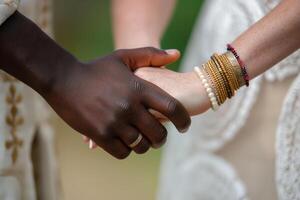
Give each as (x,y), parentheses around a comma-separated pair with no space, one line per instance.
(172,51)
(184,130)
(90,144)
(94,145)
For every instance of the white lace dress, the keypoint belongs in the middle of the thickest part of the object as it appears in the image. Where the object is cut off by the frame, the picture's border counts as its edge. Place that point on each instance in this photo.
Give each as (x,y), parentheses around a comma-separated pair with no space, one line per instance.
(235,153)
(27,163)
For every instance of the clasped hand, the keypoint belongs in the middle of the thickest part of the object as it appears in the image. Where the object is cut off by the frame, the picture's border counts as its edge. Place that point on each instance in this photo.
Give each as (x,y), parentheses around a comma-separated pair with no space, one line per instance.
(106,102)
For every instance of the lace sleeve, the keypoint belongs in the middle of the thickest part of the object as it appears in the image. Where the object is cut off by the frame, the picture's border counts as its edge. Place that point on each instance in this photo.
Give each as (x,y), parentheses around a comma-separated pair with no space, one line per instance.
(7,8)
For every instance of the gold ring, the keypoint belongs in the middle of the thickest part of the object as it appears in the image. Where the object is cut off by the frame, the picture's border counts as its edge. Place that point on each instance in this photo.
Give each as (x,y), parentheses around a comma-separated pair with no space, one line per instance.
(136,142)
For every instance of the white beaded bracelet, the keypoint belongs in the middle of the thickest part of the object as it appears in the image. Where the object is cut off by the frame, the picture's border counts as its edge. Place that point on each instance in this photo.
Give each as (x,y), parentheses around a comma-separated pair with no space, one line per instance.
(208,88)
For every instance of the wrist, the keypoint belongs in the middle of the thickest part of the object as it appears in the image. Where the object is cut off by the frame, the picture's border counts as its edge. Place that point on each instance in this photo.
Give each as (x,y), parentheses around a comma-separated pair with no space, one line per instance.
(30,55)
(197,99)
(53,78)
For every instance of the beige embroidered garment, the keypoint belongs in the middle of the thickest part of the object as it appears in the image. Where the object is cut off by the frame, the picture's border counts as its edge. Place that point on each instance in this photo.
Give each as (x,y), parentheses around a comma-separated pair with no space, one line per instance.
(235,153)
(27,161)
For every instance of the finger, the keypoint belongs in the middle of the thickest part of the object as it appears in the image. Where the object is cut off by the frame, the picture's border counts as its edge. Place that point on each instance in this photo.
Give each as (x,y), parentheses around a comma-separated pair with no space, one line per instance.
(115,148)
(154,131)
(147,57)
(85,139)
(158,116)
(129,135)
(92,144)
(106,139)
(160,101)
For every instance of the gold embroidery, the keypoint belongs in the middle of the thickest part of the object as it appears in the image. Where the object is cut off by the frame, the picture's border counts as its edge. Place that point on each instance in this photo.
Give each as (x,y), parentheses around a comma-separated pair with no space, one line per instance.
(45,16)
(13,118)
(6,78)
(44,20)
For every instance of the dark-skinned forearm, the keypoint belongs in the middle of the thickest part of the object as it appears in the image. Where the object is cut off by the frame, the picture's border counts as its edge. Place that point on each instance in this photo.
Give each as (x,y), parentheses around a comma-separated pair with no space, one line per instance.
(28,54)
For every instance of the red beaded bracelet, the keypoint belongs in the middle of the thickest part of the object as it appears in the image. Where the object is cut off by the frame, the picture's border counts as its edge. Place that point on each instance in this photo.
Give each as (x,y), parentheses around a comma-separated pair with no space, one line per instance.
(241,63)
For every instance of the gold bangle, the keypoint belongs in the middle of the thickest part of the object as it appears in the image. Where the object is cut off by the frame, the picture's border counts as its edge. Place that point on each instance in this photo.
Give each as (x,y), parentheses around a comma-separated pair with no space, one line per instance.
(236,67)
(226,73)
(218,79)
(230,71)
(222,73)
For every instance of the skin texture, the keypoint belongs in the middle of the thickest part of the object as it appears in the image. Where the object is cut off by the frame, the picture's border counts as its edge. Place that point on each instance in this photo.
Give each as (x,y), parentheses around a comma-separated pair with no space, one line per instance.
(185,87)
(266,43)
(147,28)
(101,99)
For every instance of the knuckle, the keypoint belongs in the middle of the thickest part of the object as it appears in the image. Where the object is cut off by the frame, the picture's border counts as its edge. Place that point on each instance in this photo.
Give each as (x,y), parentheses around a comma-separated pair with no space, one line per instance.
(124,106)
(97,134)
(172,106)
(157,133)
(136,85)
(149,124)
(160,138)
(152,50)
(162,134)
(124,56)
(132,138)
(104,136)
(107,132)
(119,53)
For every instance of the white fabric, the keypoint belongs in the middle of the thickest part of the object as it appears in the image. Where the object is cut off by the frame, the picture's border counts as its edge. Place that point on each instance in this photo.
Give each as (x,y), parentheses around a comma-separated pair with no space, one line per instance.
(7,8)
(21,169)
(288,141)
(219,23)
(17,178)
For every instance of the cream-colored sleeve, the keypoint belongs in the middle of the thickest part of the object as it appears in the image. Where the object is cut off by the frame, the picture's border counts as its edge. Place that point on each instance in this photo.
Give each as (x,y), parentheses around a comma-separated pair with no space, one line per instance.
(7,8)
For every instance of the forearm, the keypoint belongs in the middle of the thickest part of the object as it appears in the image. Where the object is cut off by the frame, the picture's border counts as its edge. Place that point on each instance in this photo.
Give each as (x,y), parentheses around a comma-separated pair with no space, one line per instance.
(266,43)
(271,39)
(29,54)
(139,23)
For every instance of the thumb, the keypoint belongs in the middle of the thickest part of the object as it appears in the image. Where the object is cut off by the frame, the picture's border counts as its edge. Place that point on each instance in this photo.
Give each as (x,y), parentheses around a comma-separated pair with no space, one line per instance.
(147,57)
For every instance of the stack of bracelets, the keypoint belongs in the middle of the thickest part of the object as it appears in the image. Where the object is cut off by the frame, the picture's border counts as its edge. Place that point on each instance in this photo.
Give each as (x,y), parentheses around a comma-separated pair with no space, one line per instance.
(222,76)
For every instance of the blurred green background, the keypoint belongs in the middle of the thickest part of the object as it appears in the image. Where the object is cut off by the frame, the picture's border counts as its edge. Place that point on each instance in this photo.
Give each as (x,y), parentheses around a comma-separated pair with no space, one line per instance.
(84,28)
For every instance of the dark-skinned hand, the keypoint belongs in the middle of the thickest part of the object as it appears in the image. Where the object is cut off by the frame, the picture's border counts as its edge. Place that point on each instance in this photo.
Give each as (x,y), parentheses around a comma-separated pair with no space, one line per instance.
(102,99)
(109,104)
